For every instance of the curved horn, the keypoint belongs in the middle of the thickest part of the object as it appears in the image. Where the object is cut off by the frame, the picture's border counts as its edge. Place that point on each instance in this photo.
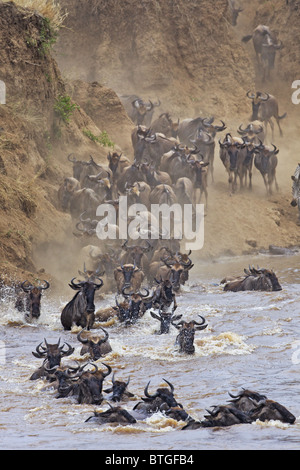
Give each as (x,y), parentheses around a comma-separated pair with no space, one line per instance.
(263,96)
(124,293)
(82,340)
(103,340)
(170,385)
(39,353)
(203,321)
(147,292)
(46,286)
(97,286)
(69,351)
(146,393)
(75,286)
(27,288)
(250,96)
(109,369)
(73,160)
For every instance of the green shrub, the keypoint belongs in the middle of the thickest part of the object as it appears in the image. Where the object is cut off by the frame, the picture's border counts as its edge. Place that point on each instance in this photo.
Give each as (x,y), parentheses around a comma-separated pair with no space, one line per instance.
(65,108)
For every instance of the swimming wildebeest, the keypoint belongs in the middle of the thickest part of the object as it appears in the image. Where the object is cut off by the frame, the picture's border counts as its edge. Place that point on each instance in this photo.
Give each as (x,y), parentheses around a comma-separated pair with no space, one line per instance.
(259,279)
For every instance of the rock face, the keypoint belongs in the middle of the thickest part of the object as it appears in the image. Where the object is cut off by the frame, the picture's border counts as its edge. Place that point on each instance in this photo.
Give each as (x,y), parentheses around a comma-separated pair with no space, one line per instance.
(185,52)
(35,140)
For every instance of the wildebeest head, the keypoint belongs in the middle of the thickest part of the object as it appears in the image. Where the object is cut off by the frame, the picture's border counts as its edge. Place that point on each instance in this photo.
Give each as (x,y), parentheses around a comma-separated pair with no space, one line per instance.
(136,303)
(114,160)
(224,415)
(271,410)
(127,270)
(114,414)
(94,344)
(79,165)
(246,400)
(53,352)
(177,269)
(232,147)
(234,11)
(257,100)
(88,289)
(268,277)
(164,393)
(123,311)
(118,389)
(34,297)
(136,253)
(186,335)
(90,383)
(165,319)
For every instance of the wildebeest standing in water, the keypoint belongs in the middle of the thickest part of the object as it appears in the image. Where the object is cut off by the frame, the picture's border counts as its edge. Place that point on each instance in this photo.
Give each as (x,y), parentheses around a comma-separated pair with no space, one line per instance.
(185,338)
(254,279)
(81,309)
(29,301)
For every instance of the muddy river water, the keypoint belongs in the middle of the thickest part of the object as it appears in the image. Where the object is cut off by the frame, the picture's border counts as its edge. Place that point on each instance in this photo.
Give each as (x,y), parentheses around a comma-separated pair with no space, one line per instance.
(252,341)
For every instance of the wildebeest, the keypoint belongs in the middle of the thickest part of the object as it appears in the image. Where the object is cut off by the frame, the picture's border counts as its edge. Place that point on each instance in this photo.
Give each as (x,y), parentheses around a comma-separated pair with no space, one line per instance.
(205,144)
(81,309)
(264,108)
(29,301)
(139,111)
(234,11)
(129,176)
(268,54)
(137,305)
(259,279)
(65,192)
(175,270)
(162,400)
(154,176)
(188,128)
(115,414)
(119,389)
(95,345)
(84,200)
(232,157)
(164,125)
(123,309)
(254,131)
(296,190)
(52,355)
(184,191)
(136,254)
(82,168)
(117,164)
(185,338)
(151,147)
(128,276)
(89,383)
(165,318)
(266,161)
(261,36)
(164,296)
(246,407)
(138,193)
(163,194)
(200,180)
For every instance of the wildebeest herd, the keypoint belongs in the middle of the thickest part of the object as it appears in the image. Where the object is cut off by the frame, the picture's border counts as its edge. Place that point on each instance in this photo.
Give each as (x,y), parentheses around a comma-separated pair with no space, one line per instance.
(147,274)
(173,163)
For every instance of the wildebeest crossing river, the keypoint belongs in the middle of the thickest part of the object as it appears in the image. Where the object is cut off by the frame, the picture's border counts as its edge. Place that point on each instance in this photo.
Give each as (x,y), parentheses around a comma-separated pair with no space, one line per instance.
(252,341)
